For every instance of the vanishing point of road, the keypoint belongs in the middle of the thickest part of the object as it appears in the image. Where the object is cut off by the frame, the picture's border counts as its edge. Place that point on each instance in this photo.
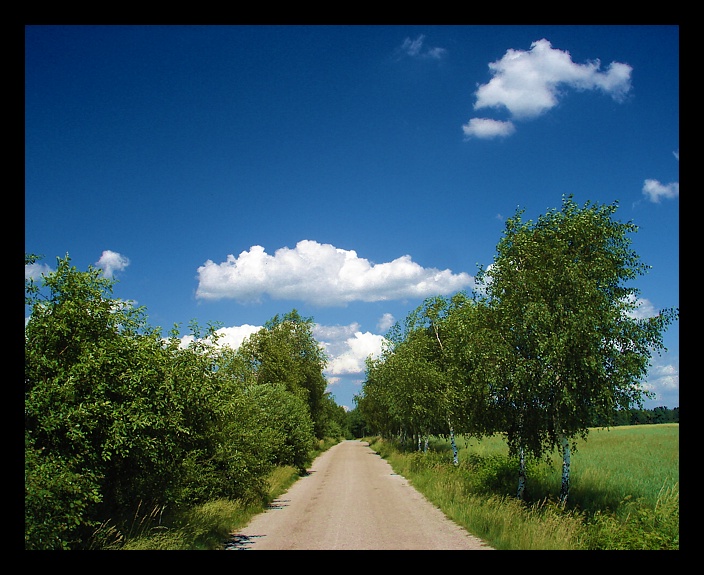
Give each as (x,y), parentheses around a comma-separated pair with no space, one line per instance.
(352,499)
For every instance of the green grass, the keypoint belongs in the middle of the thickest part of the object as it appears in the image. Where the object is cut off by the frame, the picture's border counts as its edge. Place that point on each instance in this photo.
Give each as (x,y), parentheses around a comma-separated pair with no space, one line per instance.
(624,490)
(624,494)
(204,527)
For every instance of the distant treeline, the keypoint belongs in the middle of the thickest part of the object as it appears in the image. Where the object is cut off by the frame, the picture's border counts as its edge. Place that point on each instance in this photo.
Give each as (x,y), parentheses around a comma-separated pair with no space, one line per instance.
(358,426)
(641,416)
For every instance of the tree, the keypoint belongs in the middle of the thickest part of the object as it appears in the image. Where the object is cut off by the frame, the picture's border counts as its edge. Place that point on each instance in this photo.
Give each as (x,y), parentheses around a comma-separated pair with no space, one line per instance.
(285,351)
(563,313)
(476,360)
(99,427)
(117,416)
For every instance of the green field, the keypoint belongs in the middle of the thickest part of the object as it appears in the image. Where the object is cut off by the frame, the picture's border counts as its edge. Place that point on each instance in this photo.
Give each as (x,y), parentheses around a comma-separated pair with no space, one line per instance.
(624,490)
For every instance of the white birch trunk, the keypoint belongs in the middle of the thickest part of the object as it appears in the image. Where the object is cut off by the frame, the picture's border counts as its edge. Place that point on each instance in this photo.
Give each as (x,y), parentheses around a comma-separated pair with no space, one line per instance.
(521,474)
(455,458)
(565,488)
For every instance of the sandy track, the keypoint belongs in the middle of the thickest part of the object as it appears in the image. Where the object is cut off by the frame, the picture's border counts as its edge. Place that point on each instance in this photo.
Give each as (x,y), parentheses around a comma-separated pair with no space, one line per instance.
(352,499)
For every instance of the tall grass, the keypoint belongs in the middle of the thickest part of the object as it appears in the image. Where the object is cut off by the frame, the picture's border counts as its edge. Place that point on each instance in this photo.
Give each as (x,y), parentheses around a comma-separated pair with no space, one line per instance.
(203,527)
(624,494)
(624,490)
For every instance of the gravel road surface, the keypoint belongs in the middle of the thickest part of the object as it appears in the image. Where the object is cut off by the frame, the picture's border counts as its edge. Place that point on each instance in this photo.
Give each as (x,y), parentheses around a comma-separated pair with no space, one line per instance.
(352,499)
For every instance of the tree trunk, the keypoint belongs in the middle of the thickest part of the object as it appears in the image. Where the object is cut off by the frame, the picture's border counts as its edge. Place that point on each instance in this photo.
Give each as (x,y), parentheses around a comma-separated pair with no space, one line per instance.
(565,488)
(455,458)
(521,474)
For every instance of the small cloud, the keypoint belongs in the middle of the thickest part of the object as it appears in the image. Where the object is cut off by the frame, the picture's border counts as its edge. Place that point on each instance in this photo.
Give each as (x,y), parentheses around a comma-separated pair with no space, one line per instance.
(664,381)
(644,308)
(112,262)
(36,270)
(235,335)
(655,191)
(347,348)
(385,322)
(414,49)
(529,83)
(486,128)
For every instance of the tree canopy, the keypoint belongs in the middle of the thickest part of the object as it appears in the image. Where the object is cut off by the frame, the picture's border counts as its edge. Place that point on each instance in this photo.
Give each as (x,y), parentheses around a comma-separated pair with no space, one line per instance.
(548,343)
(118,416)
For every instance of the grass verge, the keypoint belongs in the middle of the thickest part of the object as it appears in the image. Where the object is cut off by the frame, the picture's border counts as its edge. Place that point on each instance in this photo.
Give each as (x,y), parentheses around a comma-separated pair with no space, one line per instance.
(204,527)
(607,509)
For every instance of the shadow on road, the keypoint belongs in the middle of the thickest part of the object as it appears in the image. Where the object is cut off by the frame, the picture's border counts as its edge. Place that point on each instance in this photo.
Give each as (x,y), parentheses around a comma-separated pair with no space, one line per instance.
(240,542)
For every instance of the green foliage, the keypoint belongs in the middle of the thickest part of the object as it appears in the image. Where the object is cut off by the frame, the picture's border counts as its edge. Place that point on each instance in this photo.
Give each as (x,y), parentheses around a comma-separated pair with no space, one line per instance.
(637,526)
(285,352)
(58,495)
(477,495)
(548,345)
(119,419)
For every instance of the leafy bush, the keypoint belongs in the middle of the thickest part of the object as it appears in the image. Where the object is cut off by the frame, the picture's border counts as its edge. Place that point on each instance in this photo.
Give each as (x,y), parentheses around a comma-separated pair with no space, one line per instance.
(638,526)
(57,500)
(119,419)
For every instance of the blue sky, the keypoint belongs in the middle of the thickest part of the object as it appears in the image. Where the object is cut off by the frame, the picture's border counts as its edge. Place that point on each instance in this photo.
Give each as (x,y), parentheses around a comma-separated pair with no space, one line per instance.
(230,173)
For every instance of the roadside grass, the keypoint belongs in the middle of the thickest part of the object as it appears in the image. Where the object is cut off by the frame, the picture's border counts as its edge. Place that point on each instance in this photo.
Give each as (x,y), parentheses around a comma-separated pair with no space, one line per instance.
(624,490)
(203,527)
(624,494)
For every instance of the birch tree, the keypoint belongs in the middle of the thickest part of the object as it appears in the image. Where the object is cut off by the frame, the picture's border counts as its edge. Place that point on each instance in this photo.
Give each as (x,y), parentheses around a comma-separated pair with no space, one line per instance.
(563,311)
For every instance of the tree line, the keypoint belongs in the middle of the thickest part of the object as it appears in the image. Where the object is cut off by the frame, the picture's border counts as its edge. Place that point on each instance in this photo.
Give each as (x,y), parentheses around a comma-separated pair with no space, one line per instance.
(118,417)
(638,416)
(548,345)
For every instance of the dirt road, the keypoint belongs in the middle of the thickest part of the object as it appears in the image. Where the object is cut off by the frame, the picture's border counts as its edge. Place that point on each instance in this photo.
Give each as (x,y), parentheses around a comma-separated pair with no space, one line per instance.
(352,499)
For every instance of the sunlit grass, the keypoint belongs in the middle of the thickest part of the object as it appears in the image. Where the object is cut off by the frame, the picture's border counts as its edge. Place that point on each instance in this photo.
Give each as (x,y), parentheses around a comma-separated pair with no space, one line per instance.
(624,494)
(624,490)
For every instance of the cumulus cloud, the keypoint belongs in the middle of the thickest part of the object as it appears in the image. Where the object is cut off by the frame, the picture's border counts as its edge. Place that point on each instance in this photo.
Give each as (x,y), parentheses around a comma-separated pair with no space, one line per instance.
(486,128)
(347,347)
(112,262)
(235,335)
(36,270)
(385,322)
(323,275)
(664,381)
(414,49)
(655,191)
(528,84)
(644,308)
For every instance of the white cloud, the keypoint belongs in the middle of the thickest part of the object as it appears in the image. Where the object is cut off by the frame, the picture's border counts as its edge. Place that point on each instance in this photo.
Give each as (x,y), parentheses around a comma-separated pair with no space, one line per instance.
(664,381)
(235,335)
(112,262)
(323,275)
(414,49)
(385,322)
(644,308)
(528,84)
(654,190)
(347,348)
(36,270)
(487,128)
